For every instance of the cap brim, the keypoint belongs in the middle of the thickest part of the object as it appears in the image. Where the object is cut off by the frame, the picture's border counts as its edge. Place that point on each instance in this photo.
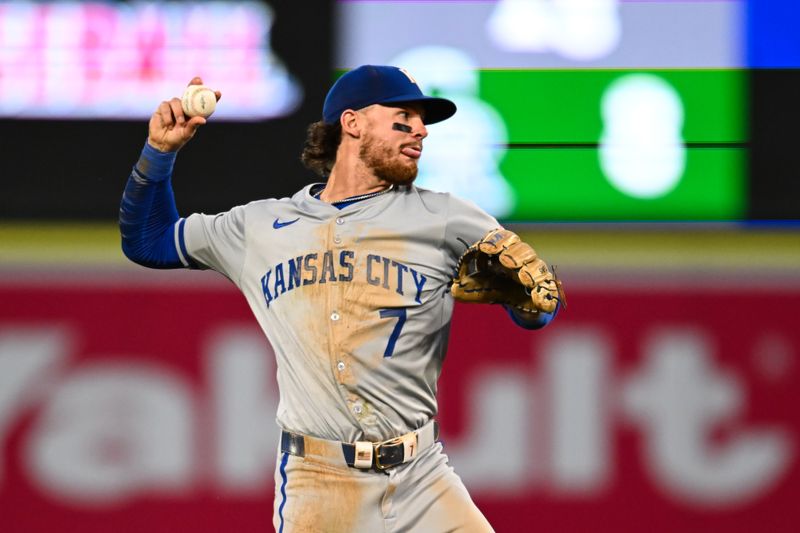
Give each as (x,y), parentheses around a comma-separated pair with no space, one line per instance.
(436,109)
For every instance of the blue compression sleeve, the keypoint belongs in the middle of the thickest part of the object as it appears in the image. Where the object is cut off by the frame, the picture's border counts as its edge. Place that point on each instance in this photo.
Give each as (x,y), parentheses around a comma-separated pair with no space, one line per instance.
(539,321)
(148,215)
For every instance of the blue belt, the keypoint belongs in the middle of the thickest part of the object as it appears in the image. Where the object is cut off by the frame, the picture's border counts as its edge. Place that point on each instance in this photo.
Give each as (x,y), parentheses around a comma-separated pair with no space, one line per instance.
(378,456)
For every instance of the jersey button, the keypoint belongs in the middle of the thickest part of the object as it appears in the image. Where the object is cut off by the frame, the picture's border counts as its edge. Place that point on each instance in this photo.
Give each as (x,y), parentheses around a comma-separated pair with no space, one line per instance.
(340,221)
(335,316)
(357,408)
(340,366)
(337,240)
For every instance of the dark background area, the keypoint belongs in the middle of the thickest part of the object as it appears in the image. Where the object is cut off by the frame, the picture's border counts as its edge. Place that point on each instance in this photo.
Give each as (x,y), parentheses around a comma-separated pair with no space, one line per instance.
(76,170)
(775,144)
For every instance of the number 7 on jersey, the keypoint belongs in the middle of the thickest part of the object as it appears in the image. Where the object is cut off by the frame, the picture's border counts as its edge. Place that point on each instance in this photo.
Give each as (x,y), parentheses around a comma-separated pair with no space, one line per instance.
(401,319)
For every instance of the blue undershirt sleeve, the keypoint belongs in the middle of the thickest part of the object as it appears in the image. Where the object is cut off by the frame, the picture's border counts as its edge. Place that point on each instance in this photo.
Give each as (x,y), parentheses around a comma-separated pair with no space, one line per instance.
(529,320)
(149,224)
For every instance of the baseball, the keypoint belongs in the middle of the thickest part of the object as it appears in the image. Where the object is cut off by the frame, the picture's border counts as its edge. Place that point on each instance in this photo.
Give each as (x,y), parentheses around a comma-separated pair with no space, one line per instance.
(198,101)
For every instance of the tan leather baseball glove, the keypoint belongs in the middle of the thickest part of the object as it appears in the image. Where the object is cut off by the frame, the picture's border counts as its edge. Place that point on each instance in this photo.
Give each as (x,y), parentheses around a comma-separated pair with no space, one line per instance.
(500,268)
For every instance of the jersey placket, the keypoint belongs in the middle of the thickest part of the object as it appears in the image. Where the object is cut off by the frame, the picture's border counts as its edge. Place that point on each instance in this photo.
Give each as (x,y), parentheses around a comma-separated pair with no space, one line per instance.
(341,364)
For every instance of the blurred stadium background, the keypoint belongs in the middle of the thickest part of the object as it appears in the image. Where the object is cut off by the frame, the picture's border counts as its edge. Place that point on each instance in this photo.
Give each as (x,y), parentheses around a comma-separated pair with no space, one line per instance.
(646,147)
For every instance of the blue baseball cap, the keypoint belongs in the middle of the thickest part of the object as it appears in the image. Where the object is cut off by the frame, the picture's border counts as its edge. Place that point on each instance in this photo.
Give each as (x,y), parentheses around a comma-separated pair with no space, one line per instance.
(376,84)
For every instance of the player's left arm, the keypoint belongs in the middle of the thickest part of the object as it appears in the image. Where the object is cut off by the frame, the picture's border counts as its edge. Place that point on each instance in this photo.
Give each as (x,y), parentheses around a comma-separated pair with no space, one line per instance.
(468,224)
(501,268)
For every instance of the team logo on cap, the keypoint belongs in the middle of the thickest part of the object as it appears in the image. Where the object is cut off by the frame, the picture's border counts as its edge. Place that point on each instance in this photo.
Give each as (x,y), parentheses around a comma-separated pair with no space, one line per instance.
(409,76)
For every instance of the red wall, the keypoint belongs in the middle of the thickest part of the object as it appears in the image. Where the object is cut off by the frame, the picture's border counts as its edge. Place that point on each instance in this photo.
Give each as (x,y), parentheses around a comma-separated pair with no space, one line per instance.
(151,408)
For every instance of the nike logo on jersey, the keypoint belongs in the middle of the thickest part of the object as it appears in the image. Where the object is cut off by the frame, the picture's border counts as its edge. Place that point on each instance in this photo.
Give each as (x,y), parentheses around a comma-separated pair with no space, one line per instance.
(278,224)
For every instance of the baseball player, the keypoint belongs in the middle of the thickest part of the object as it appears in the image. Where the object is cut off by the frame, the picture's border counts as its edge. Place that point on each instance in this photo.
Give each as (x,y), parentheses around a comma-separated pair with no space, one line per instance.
(353,282)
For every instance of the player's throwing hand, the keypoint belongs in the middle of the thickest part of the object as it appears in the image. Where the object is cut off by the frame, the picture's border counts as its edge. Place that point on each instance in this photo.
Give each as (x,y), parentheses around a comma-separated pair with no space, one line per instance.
(170,128)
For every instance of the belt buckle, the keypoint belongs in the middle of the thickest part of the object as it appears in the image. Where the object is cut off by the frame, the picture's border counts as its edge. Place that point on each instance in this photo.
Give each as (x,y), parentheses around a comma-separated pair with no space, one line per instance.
(410,448)
(364,453)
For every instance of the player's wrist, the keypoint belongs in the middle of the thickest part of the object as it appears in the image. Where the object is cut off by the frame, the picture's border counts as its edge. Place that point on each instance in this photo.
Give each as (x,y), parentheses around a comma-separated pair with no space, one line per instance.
(155,164)
(161,147)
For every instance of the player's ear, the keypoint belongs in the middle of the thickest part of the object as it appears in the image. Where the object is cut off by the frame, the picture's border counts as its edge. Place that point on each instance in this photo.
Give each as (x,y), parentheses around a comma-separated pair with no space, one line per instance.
(351,123)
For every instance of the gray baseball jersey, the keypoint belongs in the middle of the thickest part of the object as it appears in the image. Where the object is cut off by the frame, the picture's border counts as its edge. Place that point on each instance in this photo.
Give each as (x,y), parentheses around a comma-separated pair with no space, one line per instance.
(355,302)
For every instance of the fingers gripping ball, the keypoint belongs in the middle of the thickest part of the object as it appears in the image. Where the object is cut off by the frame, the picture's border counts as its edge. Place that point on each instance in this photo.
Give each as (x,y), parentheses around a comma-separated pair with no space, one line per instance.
(198,101)
(500,268)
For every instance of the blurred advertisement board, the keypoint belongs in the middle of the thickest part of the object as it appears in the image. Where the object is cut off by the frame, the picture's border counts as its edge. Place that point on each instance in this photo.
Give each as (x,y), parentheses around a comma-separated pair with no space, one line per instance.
(599,145)
(608,110)
(85,77)
(114,60)
(130,406)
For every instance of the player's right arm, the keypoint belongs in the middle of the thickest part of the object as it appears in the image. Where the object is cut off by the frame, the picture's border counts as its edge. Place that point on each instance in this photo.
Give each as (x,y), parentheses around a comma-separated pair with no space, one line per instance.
(169,129)
(148,218)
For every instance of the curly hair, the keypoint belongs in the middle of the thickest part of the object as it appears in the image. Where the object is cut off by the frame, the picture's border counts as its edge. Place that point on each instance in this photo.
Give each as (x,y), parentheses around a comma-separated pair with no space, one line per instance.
(319,150)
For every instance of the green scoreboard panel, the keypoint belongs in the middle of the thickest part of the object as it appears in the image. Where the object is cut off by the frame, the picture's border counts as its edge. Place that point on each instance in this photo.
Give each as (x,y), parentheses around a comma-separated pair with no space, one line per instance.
(618,111)
(555,126)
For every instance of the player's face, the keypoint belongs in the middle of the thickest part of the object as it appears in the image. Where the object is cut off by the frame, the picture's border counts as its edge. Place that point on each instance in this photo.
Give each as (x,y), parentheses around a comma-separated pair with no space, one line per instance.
(386,149)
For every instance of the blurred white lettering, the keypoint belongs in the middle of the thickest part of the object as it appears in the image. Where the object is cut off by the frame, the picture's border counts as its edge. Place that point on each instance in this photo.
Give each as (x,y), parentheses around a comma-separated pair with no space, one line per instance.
(576,377)
(582,30)
(110,431)
(641,147)
(495,454)
(27,357)
(242,369)
(678,398)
